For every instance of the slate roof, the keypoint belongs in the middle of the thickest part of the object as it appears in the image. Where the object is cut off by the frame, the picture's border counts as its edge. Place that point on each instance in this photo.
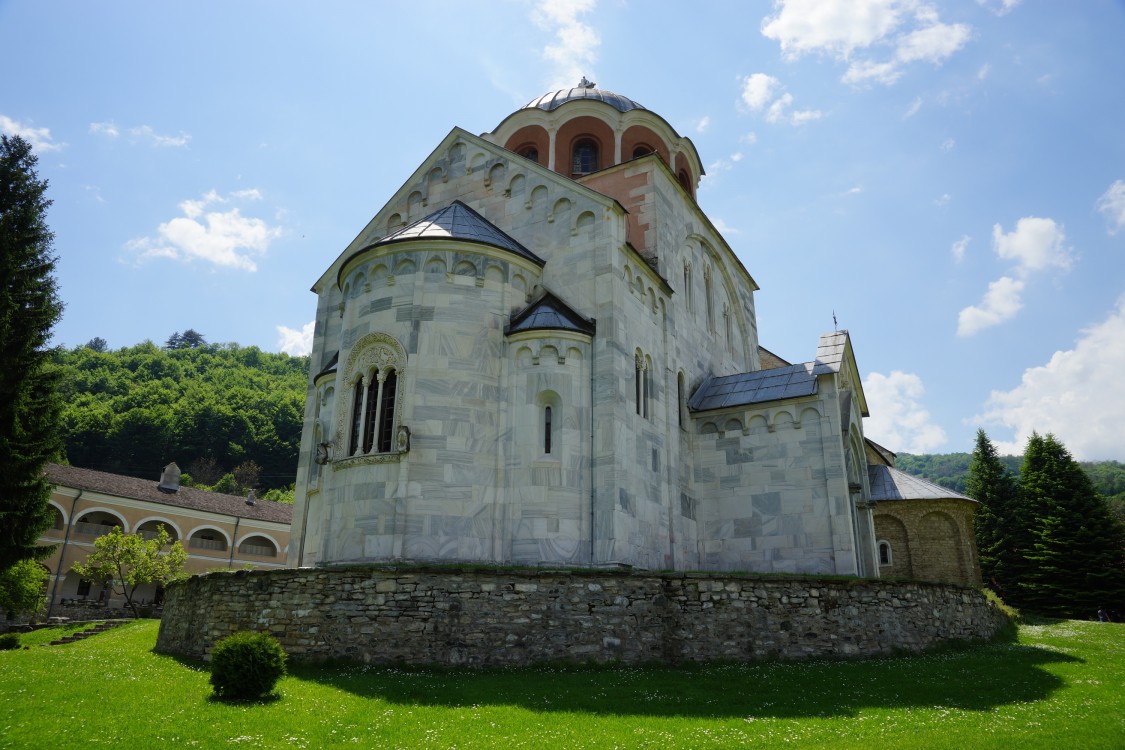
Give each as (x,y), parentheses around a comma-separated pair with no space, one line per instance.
(888,483)
(755,387)
(549,313)
(555,99)
(459,222)
(186,497)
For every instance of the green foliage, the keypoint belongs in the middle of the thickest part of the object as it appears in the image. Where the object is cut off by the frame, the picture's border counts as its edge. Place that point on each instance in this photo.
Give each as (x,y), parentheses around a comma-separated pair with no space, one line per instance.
(1000,532)
(246,666)
(283,495)
(189,339)
(22,587)
(1076,556)
(133,410)
(127,561)
(9,641)
(29,308)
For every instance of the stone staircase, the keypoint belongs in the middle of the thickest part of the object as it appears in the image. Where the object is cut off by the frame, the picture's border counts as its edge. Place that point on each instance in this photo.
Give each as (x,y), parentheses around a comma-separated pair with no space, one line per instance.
(101,627)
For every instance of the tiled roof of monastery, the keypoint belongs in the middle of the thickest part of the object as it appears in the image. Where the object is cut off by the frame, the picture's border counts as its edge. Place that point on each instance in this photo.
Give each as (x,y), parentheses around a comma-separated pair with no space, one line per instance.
(891,484)
(185,497)
(550,313)
(459,222)
(755,387)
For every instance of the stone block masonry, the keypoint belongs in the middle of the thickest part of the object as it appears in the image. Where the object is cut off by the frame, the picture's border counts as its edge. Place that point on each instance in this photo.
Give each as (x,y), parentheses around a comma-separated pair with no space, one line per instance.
(487,617)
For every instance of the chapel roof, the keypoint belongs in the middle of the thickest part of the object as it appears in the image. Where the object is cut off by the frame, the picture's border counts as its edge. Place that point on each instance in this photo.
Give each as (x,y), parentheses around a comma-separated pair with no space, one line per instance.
(585,90)
(459,222)
(549,313)
(888,483)
(755,387)
(184,497)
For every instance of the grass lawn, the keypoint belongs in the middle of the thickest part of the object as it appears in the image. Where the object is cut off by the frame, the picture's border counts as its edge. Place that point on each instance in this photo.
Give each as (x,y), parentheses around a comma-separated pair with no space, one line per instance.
(1061,685)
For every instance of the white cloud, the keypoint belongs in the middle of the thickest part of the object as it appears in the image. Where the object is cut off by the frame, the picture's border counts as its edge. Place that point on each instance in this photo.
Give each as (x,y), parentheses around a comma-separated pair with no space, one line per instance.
(1112,206)
(758,89)
(838,27)
(898,421)
(39,138)
(1035,244)
(147,134)
(900,32)
(108,129)
(702,124)
(750,138)
(948,144)
(999,7)
(1074,396)
(1001,302)
(226,239)
(943,200)
(723,227)
(296,343)
(983,72)
(959,247)
(576,47)
(913,108)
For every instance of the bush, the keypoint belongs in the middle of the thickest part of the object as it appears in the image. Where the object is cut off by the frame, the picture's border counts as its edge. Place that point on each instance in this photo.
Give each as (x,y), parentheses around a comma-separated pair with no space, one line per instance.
(9,641)
(246,665)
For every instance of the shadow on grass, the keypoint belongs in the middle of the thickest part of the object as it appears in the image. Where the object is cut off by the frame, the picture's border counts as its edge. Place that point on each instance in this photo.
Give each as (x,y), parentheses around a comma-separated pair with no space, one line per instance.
(972,678)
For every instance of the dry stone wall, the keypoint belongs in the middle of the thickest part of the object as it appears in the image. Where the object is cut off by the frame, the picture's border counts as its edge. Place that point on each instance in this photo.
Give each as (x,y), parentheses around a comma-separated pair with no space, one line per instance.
(420,615)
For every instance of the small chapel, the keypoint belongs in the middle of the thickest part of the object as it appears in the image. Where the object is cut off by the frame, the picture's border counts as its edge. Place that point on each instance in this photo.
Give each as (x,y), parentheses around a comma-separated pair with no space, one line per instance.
(541,351)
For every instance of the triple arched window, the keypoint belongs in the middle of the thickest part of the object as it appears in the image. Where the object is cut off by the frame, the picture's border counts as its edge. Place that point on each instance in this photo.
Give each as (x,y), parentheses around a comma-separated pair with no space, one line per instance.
(374,378)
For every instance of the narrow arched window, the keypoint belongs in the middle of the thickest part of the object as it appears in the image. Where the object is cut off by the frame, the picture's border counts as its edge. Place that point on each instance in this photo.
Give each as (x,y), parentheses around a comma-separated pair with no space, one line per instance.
(680,405)
(387,411)
(884,553)
(685,181)
(357,417)
(584,158)
(639,383)
(640,151)
(708,292)
(371,403)
(547,426)
(531,153)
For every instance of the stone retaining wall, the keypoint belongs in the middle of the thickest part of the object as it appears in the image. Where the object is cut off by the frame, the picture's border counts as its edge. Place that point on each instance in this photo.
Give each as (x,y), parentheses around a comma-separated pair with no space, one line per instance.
(420,615)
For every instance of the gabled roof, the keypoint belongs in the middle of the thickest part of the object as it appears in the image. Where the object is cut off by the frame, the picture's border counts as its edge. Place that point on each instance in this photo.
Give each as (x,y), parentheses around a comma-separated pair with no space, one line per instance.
(185,497)
(755,387)
(891,484)
(459,222)
(549,313)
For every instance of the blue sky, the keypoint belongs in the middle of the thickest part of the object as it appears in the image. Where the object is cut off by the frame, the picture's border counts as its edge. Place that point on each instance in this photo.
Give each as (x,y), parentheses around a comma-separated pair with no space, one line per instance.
(948,178)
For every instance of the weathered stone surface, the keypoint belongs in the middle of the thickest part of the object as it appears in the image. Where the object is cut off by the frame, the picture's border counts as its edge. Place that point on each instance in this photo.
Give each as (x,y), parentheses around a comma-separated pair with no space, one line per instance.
(481,618)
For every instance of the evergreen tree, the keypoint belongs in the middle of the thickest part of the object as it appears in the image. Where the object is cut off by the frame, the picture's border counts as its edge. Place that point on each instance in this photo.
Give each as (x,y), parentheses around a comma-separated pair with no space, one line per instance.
(29,308)
(1001,530)
(1076,559)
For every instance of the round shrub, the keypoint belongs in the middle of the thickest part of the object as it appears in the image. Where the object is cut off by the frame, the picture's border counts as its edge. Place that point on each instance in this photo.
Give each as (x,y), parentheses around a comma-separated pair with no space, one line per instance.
(246,665)
(9,641)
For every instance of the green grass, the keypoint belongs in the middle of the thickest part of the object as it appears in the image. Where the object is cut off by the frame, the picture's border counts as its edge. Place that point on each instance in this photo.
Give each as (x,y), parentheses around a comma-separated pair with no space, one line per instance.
(1061,684)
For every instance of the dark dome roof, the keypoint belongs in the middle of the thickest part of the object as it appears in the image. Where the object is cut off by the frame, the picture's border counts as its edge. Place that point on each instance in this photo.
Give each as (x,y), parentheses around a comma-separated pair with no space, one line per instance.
(585,90)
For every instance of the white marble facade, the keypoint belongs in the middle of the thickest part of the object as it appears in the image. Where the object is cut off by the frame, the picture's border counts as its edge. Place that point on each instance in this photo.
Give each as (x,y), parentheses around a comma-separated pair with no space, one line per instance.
(514,363)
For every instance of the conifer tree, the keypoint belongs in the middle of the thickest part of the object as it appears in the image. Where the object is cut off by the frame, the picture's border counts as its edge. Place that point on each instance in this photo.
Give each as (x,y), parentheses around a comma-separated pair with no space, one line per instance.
(29,308)
(1001,529)
(1076,559)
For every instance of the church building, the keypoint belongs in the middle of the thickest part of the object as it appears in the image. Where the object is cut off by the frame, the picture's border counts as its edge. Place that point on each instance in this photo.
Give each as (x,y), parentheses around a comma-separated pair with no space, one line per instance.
(542,351)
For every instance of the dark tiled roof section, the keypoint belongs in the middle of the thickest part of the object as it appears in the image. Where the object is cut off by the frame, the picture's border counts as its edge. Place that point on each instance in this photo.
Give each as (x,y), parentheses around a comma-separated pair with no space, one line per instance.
(891,484)
(459,222)
(549,313)
(555,99)
(330,367)
(186,497)
(754,387)
(770,360)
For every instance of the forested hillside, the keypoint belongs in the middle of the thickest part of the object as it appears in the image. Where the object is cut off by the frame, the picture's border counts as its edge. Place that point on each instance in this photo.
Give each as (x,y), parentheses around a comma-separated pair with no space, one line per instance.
(952,470)
(208,407)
